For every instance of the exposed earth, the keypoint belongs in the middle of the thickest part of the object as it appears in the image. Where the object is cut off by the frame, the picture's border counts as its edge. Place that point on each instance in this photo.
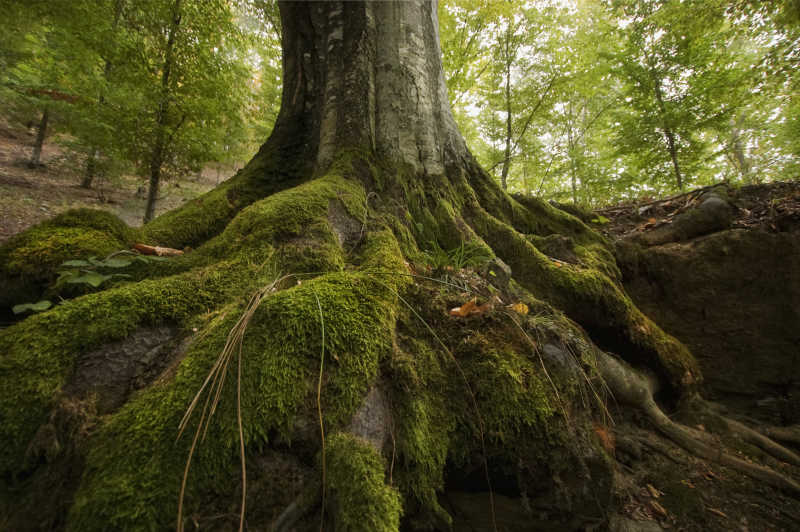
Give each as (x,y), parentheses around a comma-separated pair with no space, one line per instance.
(30,195)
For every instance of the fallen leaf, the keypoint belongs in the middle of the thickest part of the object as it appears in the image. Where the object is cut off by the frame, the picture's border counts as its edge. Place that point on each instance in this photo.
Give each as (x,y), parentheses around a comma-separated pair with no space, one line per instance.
(717,512)
(654,492)
(658,508)
(687,483)
(520,308)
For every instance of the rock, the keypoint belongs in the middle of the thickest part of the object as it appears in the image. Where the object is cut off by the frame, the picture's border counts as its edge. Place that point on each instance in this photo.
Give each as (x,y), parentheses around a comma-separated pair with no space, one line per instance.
(712,215)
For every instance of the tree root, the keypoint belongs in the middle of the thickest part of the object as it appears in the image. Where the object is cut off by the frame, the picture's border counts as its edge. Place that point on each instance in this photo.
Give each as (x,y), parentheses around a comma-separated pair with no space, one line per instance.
(749,435)
(790,434)
(309,497)
(631,387)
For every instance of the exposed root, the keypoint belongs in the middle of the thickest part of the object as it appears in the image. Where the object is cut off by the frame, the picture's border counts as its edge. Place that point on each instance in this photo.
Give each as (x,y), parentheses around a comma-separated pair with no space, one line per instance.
(631,387)
(790,434)
(749,435)
(299,507)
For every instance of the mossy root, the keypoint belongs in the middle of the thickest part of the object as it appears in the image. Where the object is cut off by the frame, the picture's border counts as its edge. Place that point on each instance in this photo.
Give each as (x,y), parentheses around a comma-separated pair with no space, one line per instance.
(631,387)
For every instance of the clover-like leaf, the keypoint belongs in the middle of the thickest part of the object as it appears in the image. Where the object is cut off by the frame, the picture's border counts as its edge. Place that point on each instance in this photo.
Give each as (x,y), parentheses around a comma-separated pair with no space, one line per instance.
(39,306)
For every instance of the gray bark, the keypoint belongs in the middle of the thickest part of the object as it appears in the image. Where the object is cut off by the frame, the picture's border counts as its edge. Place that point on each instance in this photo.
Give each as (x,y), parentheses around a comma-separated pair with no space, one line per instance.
(41,132)
(366,76)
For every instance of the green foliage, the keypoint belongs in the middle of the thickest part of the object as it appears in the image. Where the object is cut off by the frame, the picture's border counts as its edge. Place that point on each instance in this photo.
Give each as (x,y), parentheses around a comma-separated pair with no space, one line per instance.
(39,306)
(467,255)
(90,271)
(356,482)
(589,101)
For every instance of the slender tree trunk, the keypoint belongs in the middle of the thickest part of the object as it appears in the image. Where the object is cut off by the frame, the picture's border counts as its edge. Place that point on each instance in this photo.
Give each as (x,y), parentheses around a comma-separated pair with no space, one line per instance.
(41,132)
(673,153)
(669,134)
(91,168)
(159,145)
(507,153)
(573,169)
(738,151)
(94,152)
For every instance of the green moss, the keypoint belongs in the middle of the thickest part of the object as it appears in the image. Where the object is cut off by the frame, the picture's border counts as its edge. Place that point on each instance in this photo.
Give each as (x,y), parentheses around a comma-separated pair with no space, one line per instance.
(38,354)
(29,261)
(134,468)
(195,221)
(594,300)
(300,212)
(355,481)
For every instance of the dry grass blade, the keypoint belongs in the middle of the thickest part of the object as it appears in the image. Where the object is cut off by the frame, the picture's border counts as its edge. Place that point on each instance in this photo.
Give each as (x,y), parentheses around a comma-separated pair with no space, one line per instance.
(213,385)
(319,407)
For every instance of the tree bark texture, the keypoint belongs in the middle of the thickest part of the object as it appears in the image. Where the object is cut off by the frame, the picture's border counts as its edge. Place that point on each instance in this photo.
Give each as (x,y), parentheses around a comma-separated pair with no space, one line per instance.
(366,76)
(41,133)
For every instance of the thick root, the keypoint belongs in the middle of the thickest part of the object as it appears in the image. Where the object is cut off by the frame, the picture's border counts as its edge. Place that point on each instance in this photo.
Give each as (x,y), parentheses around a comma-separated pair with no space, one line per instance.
(749,435)
(789,434)
(629,386)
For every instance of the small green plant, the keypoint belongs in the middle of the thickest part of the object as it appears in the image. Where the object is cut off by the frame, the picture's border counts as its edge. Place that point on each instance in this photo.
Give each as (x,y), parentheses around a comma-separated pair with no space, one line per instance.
(466,255)
(39,306)
(92,272)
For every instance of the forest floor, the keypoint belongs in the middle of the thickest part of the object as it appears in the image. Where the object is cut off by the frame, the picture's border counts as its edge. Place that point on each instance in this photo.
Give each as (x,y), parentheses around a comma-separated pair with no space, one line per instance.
(661,487)
(30,195)
(771,207)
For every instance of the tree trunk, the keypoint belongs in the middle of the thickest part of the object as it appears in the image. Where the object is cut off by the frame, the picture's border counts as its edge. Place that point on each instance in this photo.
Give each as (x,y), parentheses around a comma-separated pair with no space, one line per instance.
(94,152)
(162,116)
(365,76)
(41,132)
(507,151)
(669,134)
(91,168)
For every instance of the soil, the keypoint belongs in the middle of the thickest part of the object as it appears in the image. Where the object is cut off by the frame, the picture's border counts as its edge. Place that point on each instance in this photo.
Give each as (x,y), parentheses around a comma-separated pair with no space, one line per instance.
(769,207)
(30,195)
(731,293)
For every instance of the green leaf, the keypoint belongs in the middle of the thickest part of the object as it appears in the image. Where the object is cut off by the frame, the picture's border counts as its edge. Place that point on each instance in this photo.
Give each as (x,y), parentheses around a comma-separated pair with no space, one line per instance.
(600,219)
(117,262)
(91,278)
(76,263)
(39,306)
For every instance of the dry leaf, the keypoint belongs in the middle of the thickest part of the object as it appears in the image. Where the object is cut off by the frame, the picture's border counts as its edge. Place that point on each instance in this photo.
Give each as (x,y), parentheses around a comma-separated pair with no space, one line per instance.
(470,308)
(717,512)
(654,492)
(520,308)
(658,508)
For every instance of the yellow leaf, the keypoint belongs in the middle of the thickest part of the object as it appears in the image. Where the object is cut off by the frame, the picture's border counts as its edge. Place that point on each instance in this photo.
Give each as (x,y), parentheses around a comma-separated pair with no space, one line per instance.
(520,308)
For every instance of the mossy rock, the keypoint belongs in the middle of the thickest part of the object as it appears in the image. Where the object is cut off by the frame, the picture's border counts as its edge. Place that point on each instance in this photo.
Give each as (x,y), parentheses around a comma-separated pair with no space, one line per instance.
(30,260)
